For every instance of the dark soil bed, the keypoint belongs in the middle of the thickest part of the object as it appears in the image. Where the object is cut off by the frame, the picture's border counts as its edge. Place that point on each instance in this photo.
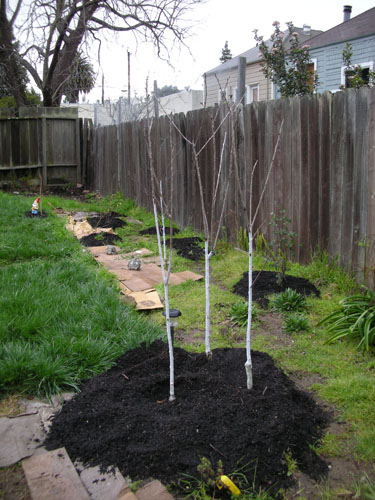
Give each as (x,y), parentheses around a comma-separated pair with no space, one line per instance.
(266,283)
(152,230)
(36,216)
(99,239)
(123,417)
(110,219)
(188,247)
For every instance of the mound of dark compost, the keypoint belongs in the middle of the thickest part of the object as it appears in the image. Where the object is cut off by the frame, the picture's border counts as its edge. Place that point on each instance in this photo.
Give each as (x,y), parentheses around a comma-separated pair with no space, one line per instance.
(123,417)
(266,283)
(110,219)
(188,247)
(152,230)
(92,240)
(36,216)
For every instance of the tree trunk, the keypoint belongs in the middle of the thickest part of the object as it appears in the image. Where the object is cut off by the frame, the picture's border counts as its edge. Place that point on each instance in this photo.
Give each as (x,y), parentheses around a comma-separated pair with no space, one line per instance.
(8,58)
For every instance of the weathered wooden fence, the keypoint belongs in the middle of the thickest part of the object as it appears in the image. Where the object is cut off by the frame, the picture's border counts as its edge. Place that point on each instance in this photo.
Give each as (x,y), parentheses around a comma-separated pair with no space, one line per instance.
(324,174)
(50,143)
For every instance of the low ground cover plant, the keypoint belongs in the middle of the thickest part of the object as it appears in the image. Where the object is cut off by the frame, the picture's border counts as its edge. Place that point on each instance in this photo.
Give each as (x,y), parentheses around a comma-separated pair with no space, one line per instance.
(354,319)
(295,322)
(239,313)
(289,301)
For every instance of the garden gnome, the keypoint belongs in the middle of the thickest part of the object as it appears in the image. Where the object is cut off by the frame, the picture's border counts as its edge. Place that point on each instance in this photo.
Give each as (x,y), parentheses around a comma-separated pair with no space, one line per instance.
(35,207)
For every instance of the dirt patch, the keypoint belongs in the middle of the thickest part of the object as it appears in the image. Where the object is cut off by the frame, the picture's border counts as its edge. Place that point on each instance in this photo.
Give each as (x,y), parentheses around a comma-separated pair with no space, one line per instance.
(123,417)
(13,484)
(39,215)
(152,230)
(110,219)
(188,247)
(266,283)
(99,239)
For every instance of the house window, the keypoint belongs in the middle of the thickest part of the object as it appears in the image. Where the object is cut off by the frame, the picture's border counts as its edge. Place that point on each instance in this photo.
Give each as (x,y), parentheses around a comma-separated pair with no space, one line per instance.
(223,94)
(311,68)
(252,94)
(347,75)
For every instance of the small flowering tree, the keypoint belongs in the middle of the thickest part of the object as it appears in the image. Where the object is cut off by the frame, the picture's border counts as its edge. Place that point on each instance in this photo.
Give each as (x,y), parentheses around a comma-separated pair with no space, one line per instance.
(287,65)
(355,76)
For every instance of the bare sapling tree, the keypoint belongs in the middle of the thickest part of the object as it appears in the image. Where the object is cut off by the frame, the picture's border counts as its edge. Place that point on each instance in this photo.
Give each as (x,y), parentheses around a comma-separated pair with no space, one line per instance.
(211,234)
(166,266)
(250,223)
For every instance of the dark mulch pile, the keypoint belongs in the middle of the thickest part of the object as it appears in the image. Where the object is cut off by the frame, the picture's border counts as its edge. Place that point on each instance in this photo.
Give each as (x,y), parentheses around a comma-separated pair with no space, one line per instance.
(110,219)
(266,283)
(152,230)
(92,240)
(36,216)
(123,417)
(188,247)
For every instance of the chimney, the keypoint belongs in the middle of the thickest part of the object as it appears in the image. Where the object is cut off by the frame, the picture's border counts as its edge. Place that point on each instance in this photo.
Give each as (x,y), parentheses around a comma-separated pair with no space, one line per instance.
(347,12)
(306,29)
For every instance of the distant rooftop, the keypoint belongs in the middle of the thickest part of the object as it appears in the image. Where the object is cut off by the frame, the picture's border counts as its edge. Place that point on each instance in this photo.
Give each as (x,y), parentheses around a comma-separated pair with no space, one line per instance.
(252,55)
(359,26)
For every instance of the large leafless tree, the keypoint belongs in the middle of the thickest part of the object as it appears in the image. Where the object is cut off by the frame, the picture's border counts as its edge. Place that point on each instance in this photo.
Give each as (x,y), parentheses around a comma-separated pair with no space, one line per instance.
(50,33)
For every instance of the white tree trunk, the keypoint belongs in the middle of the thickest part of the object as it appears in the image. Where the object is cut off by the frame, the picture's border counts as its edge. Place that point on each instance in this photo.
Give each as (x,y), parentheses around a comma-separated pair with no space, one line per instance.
(207,257)
(166,298)
(248,364)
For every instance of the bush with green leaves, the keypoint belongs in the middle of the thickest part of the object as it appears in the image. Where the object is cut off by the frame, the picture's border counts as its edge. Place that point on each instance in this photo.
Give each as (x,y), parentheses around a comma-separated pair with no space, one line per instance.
(239,313)
(289,301)
(295,322)
(354,319)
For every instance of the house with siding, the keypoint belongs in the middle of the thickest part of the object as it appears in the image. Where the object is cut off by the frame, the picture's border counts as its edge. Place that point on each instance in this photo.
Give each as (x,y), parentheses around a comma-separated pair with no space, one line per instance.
(326,49)
(221,81)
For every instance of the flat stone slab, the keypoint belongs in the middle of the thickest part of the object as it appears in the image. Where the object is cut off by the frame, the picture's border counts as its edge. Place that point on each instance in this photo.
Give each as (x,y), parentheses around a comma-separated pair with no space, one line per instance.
(101,486)
(154,490)
(19,438)
(52,476)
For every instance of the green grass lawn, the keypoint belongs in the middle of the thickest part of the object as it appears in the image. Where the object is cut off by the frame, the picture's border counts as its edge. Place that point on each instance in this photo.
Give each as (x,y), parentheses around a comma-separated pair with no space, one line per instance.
(62,321)
(61,318)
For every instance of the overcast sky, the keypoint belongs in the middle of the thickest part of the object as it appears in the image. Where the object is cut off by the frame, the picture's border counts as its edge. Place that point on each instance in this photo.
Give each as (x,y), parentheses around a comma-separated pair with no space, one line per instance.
(213,23)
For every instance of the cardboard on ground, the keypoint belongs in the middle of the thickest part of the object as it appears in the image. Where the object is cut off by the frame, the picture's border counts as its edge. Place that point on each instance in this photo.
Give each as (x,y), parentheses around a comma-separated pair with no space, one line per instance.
(138,285)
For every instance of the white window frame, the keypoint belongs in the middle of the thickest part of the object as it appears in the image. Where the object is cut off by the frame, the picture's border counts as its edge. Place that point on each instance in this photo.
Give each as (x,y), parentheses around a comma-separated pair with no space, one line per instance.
(249,94)
(364,65)
(220,94)
(314,61)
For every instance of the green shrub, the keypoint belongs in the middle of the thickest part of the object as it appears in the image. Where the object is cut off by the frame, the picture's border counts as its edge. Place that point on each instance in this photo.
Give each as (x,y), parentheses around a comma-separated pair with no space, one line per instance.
(355,319)
(296,322)
(289,301)
(239,313)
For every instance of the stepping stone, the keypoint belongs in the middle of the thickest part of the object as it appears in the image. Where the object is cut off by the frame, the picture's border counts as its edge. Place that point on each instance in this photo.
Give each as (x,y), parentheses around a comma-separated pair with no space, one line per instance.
(101,486)
(154,490)
(52,476)
(127,495)
(19,438)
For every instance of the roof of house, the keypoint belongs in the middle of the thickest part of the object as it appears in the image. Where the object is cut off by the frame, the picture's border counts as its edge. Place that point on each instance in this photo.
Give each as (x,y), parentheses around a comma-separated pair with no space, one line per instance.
(357,27)
(252,55)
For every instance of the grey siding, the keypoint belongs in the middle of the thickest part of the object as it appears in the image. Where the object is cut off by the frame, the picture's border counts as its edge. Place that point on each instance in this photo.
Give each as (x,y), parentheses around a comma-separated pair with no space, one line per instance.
(329,60)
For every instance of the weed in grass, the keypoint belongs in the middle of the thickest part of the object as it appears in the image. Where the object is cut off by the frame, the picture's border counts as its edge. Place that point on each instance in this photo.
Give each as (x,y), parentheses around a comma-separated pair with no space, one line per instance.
(294,323)
(324,270)
(365,488)
(289,301)
(208,486)
(291,463)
